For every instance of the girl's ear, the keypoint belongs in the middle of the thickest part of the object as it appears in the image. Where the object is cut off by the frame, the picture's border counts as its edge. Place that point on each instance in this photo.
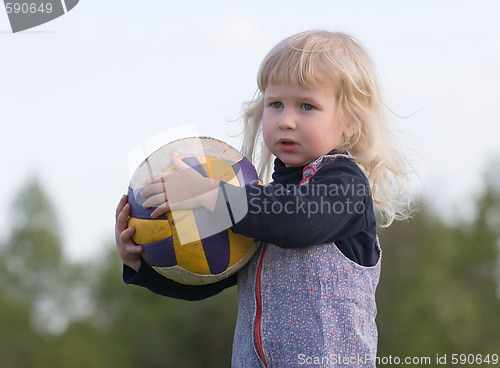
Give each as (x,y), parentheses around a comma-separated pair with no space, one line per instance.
(349,131)
(350,134)
(350,125)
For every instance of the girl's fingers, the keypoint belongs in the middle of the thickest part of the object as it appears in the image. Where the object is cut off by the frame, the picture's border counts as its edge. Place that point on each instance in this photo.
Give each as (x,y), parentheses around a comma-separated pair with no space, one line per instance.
(125,238)
(178,163)
(133,248)
(155,201)
(129,231)
(121,205)
(155,178)
(122,223)
(121,220)
(160,210)
(126,234)
(153,188)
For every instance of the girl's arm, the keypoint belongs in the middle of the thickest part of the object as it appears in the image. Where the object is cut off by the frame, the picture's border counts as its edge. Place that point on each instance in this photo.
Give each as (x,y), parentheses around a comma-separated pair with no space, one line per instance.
(150,279)
(334,205)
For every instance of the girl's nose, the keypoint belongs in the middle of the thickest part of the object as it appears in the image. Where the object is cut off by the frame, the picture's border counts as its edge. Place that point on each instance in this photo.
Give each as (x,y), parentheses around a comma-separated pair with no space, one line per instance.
(286,120)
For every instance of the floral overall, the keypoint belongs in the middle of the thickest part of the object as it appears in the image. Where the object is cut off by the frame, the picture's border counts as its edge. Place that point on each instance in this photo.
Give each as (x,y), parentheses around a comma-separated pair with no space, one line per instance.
(306,307)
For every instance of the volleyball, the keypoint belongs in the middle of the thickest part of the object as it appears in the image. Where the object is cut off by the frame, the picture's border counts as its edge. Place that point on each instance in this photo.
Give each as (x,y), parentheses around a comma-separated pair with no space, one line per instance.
(189,246)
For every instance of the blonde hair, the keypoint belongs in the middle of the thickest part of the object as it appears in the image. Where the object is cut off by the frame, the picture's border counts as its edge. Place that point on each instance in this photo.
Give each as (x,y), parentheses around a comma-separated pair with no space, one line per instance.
(321,56)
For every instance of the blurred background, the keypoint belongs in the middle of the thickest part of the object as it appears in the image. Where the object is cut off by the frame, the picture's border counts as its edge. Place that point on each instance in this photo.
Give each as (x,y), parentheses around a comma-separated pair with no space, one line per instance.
(78,93)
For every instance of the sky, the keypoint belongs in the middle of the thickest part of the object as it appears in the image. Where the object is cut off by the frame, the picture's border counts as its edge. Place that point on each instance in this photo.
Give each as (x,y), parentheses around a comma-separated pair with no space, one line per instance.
(79,93)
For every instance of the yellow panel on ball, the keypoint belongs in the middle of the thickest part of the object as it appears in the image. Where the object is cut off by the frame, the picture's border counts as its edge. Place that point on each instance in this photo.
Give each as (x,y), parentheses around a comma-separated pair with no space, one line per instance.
(151,230)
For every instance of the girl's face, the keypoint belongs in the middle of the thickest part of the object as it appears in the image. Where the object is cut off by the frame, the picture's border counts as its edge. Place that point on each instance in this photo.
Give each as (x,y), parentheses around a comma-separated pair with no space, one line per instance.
(301,124)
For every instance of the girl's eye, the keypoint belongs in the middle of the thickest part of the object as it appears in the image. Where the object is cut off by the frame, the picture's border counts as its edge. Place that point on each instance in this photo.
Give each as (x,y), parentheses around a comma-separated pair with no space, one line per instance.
(307,107)
(276,105)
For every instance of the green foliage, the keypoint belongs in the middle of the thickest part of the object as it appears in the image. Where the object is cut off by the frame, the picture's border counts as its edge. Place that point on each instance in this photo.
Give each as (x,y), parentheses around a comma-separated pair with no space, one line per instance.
(34,246)
(437,295)
(438,286)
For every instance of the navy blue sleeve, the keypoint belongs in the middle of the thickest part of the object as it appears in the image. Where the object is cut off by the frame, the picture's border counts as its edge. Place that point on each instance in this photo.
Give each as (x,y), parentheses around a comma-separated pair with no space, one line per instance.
(334,206)
(150,279)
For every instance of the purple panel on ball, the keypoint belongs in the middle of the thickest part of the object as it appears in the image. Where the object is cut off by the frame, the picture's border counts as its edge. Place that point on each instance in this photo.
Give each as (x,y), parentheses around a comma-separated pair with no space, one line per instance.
(217,252)
(160,253)
(195,164)
(136,209)
(246,172)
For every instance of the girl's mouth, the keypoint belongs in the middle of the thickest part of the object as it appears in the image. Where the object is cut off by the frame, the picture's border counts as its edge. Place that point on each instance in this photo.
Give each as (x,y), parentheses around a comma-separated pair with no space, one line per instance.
(287,145)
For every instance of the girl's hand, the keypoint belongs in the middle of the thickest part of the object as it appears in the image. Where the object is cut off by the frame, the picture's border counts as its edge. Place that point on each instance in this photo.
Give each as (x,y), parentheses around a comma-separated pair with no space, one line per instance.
(180,190)
(128,251)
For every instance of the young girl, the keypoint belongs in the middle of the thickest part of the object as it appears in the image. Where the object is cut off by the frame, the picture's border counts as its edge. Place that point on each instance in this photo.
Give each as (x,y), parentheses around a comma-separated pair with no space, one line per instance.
(308,295)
